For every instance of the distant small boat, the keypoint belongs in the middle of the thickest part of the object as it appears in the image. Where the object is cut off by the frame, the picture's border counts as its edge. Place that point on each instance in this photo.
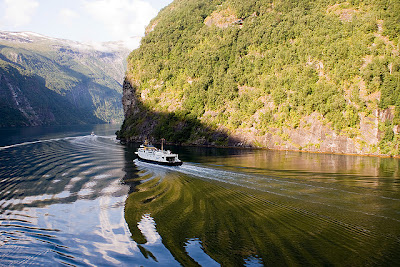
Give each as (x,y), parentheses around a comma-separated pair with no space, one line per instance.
(92,134)
(150,153)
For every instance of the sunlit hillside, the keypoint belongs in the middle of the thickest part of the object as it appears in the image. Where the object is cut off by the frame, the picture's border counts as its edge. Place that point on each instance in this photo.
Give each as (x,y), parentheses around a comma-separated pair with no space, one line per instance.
(304,75)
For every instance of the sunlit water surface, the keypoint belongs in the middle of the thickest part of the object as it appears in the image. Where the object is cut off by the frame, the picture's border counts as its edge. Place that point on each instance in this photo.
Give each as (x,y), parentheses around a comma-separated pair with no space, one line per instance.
(69,198)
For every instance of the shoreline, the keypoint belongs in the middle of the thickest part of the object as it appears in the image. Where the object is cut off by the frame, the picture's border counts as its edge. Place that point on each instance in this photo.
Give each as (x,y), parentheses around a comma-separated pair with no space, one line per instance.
(264,148)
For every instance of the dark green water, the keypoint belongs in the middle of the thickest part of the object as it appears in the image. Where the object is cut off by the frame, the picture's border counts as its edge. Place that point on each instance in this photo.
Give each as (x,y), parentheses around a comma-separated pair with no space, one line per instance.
(68,198)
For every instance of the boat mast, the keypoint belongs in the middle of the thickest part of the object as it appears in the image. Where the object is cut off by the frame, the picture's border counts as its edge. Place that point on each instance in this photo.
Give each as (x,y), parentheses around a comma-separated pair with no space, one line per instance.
(162,143)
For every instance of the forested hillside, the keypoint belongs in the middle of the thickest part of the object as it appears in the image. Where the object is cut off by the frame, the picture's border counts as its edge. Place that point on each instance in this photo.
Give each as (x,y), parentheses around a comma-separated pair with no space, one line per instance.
(318,75)
(47,81)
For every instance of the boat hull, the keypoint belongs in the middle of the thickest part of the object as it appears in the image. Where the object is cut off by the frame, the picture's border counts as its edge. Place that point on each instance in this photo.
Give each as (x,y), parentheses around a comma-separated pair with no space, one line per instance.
(176,163)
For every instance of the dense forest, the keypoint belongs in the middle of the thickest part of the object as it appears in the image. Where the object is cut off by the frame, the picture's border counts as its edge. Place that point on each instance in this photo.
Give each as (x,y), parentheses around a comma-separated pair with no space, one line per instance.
(258,69)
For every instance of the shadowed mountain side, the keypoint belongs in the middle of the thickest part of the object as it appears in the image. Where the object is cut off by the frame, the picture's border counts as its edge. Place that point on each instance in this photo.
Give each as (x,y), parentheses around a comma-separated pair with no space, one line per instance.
(87,77)
(178,127)
(25,100)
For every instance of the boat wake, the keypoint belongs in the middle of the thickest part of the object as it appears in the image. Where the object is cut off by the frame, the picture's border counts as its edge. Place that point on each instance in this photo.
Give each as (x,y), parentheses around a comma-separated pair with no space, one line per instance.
(325,214)
(82,139)
(303,193)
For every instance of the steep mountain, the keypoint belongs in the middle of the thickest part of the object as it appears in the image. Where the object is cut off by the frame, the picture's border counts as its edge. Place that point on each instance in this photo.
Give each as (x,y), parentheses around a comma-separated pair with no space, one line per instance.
(304,75)
(46,81)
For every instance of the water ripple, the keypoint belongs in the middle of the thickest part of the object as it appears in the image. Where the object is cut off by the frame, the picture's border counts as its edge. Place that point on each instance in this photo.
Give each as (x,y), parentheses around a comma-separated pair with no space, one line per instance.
(82,201)
(241,218)
(51,188)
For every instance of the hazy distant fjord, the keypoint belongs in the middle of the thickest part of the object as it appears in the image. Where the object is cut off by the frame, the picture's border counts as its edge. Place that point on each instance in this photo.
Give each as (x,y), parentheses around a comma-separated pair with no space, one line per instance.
(18,135)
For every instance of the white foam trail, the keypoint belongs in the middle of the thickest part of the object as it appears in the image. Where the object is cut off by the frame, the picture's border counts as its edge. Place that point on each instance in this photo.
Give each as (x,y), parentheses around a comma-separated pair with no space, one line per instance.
(76,138)
(27,143)
(205,172)
(38,142)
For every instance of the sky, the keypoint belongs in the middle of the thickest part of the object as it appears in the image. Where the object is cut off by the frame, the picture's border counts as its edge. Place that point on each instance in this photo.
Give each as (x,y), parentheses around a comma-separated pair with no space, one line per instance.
(80,20)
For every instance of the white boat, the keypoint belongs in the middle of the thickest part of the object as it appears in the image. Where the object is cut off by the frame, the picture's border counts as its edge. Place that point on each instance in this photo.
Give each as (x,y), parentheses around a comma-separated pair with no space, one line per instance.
(150,153)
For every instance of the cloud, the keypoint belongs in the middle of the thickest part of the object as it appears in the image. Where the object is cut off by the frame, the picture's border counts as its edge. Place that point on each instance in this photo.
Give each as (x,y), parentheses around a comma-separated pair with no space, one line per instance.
(122,18)
(19,12)
(67,15)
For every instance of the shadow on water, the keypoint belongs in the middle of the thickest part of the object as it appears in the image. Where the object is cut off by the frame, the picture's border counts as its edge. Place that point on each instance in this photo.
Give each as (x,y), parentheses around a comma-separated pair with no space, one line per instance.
(249,207)
(131,177)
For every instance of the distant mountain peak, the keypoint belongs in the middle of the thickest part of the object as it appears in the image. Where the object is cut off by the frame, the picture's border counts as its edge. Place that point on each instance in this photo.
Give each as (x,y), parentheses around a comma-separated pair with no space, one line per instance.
(129,43)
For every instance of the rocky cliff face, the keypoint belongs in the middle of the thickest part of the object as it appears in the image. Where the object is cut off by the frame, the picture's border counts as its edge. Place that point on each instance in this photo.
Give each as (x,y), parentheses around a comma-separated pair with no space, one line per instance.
(87,78)
(313,134)
(130,101)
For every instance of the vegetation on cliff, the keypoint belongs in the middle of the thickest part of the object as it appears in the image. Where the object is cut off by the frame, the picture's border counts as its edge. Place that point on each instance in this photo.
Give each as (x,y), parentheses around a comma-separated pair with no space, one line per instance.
(259,68)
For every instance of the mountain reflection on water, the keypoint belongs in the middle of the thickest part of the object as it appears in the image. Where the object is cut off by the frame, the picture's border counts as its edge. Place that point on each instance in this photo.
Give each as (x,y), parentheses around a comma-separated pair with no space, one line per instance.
(76,199)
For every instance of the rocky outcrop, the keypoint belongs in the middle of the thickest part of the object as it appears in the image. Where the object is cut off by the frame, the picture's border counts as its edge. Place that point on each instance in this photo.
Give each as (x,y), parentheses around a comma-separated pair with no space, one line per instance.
(313,135)
(130,101)
(222,19)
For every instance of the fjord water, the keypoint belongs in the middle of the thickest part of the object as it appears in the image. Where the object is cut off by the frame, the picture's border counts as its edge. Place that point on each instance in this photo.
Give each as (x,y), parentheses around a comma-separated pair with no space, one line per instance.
(69,198)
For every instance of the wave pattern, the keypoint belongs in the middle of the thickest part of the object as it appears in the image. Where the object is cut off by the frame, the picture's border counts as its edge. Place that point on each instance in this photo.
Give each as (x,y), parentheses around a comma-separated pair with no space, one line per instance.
(62,201)
(82,201)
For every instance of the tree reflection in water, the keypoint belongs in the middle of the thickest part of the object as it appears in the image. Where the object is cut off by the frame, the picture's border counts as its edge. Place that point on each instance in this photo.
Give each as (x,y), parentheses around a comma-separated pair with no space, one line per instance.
(233,225)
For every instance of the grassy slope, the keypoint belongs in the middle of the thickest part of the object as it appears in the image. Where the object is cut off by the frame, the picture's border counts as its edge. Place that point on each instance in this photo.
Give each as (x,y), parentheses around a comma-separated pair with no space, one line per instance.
(283,62)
